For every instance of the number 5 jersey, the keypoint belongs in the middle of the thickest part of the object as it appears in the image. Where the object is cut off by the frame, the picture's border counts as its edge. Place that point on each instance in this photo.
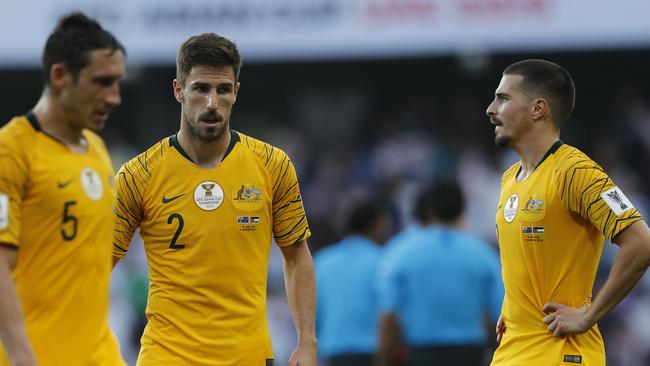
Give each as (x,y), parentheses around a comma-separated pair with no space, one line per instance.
(56,208)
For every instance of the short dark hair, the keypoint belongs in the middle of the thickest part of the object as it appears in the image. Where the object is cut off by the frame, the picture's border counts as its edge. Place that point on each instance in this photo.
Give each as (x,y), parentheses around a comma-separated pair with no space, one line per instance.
(70,42)
(364,214)
(442,201)
(207,49)
(550,81)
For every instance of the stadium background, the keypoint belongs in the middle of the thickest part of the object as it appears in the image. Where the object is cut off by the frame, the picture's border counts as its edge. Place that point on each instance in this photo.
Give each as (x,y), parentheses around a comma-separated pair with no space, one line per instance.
(372,96)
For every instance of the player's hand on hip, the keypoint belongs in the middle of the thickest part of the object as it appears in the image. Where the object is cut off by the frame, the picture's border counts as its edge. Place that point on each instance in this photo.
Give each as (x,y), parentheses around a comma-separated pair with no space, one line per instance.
(303,355)
(500,328)
(565,320)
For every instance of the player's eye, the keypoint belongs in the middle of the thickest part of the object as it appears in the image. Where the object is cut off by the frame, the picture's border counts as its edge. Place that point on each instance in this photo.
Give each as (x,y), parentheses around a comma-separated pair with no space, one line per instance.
(105,81)
(202,88)
(224,89)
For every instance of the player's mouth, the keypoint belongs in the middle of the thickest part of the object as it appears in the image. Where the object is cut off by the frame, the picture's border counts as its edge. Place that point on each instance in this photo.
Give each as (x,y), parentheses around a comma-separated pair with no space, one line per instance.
(497,124)
(211,120)
(101,116)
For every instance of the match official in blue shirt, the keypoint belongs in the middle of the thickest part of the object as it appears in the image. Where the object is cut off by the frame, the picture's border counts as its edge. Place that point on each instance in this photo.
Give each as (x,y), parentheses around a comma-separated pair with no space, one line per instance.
(347,313)
(439,288)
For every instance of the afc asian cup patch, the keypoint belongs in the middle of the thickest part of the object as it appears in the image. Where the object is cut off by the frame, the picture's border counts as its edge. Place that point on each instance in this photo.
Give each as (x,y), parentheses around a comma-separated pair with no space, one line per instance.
(208,195)
(510,208)
(616,200)
(92,184)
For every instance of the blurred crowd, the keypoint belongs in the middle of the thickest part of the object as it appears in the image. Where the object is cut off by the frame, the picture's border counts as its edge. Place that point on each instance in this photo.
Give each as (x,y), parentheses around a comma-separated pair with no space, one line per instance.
(388,129)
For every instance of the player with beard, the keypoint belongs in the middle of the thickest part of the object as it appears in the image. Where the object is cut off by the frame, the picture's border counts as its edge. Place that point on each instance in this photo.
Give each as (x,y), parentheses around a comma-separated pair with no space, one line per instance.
(209,201)
(555,209)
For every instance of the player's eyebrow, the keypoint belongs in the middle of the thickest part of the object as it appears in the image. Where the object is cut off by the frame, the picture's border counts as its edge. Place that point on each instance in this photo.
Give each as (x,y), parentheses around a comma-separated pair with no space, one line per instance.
(106,79)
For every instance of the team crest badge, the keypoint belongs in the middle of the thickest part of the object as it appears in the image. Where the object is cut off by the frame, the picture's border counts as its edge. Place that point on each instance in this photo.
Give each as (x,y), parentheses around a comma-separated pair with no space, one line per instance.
(208,195)
(534,209)
(92,184)
(247,196)
(510,208)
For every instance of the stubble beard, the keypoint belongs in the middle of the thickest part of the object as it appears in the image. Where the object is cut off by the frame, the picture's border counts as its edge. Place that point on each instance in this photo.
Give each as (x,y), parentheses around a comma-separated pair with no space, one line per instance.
(203,134)
(502,141)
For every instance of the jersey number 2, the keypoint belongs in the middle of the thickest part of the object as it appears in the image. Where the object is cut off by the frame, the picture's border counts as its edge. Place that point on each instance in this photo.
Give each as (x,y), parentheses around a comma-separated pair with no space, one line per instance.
(170,219)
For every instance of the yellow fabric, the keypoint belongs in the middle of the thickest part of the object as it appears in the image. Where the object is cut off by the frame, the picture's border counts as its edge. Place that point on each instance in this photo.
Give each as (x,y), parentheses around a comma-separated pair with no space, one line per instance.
(208,253)
(550,251)
(63,268)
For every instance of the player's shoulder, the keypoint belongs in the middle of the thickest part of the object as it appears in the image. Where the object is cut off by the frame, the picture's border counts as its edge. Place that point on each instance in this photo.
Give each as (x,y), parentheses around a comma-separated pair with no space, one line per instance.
(511,172)
(264,151)
(568,159)
(18,133)
(146,162)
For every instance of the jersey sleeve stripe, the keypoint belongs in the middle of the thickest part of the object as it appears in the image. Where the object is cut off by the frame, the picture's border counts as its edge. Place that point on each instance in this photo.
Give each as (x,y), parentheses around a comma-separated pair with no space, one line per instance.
(119,248)
(619,225)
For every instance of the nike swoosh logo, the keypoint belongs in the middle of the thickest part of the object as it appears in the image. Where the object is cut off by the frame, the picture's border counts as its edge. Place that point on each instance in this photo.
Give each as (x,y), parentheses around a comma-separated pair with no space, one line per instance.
(167,200)
(62,185)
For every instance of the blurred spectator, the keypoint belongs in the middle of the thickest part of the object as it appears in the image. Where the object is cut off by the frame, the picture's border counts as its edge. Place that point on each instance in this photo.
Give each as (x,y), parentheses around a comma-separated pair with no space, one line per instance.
(347,315)
(437,288)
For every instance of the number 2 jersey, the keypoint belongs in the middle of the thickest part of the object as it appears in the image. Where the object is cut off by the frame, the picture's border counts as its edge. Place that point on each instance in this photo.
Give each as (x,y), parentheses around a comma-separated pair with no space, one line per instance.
(207,235)
(551,229)
(56,208)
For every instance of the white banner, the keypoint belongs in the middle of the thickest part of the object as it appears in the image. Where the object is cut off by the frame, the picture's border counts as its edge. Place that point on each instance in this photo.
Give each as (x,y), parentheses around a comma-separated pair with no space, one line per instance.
(267,30)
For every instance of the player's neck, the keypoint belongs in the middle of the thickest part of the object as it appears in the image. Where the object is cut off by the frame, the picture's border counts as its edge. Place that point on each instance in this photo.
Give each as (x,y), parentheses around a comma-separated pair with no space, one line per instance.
(206,154)
(533,148)
(55,123)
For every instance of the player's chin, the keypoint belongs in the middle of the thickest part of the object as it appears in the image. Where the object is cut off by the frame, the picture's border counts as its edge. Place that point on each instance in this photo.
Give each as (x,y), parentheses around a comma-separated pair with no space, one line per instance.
(95,126)
(211,133)
(501,140)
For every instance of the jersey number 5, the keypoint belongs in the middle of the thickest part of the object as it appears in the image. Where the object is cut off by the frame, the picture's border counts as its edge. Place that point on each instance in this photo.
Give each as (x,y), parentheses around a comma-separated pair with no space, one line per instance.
(67,219)
(170,219)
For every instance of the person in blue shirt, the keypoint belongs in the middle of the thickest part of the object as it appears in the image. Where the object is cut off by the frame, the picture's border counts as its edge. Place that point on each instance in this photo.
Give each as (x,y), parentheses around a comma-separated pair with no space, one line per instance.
(438,287)
(347,313)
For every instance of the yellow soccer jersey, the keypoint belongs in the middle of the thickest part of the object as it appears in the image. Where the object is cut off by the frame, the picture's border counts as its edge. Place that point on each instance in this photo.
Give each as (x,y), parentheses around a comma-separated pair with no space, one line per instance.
(207,234)
(56,207)
(551,228)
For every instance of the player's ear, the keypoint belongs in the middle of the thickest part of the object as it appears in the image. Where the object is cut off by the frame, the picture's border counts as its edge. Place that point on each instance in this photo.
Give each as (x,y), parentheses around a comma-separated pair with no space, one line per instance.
(59,76)
(237,85)
(540,109)
(178,90)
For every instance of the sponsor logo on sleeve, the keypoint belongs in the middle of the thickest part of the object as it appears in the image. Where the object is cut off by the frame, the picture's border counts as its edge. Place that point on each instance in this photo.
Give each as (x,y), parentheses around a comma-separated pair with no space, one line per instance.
(616,200)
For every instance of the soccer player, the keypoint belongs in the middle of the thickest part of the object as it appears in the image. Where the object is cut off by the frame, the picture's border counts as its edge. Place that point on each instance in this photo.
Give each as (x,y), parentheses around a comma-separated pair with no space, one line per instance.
(347,310)
(208,201)
(555,209)
(56,206)
(438,287)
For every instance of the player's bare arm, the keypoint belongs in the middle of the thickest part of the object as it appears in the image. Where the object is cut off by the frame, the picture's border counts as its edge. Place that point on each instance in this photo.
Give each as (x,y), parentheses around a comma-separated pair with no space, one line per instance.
(300,283)
(12,322)
(390,339)
(631,263)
